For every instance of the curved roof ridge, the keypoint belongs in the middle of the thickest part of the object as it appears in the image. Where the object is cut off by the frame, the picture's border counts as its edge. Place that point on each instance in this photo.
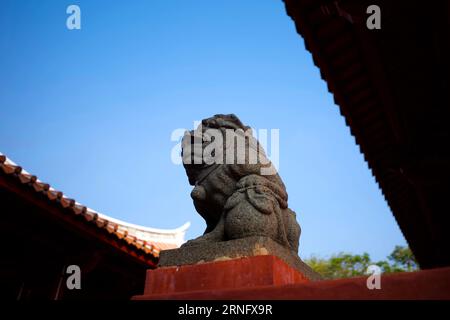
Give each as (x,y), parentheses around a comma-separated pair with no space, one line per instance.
(148,239)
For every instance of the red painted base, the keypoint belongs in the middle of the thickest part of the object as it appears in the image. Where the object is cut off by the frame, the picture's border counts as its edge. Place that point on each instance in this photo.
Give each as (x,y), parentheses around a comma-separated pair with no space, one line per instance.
(244,273)
(269,278)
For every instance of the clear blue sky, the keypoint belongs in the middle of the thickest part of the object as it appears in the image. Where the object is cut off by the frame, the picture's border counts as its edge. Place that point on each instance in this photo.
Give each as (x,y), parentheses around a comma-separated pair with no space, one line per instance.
(91,111)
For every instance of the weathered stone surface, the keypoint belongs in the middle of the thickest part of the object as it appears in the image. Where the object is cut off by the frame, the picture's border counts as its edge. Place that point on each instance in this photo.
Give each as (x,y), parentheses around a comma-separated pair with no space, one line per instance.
(240,195)
(233,249)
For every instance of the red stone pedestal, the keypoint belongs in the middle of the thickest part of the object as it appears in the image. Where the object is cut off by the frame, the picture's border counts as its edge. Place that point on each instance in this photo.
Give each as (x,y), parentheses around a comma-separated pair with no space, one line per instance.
(269,278)
(237,274)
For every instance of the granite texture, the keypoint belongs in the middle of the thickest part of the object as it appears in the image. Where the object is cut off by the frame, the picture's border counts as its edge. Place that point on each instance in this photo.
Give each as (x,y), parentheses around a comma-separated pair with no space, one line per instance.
(234,249)
(244,202)
(237,194)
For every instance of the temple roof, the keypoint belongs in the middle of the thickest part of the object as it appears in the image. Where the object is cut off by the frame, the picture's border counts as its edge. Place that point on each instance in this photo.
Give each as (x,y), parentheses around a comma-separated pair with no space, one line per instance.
(392,88)
(146,240)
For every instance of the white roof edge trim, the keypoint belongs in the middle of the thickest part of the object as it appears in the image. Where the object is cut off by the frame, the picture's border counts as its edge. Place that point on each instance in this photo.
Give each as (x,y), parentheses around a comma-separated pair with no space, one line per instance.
(180,231)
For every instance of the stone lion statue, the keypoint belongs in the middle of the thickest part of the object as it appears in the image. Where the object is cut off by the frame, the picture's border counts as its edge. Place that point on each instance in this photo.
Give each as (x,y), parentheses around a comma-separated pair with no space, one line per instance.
(234,197)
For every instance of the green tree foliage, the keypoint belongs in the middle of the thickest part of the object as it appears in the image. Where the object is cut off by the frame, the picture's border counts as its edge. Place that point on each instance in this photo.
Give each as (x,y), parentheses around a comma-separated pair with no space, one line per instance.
(402,259)
(344,265)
